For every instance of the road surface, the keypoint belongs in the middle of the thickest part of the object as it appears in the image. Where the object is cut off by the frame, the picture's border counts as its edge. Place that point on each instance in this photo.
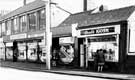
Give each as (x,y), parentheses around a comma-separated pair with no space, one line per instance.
(15,74)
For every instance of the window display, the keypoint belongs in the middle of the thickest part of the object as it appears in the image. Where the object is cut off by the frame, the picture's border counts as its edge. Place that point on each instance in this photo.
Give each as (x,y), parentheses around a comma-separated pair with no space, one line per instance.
(108,44)
(2,51)
(32,51)
(9,50)
(42,54)
(22,51)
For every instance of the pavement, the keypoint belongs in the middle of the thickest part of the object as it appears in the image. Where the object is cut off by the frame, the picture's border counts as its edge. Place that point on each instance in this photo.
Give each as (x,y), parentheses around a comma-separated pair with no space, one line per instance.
(76,72)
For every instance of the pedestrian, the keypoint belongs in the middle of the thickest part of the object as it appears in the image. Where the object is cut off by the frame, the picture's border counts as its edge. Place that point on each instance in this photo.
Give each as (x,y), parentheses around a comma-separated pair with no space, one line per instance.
(95,56)
(101,60)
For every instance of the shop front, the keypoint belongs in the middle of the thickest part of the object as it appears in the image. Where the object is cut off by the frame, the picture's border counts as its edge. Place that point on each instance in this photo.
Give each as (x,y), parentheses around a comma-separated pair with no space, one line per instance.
(94,39)
(2,49)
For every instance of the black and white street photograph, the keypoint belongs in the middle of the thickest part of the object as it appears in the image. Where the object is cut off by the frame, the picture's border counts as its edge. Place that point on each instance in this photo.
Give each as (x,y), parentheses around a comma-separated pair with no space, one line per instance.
(67,39)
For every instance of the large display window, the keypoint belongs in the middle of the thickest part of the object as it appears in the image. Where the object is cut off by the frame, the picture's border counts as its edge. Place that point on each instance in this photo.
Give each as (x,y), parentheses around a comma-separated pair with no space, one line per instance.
(9,50)
(2,51)
(22,51)
(42,52)
(32,51)
(107,43)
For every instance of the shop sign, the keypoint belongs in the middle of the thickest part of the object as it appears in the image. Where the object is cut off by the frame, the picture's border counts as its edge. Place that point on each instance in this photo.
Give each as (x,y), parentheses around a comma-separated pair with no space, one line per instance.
(65,40)
(35,35)
(1,39)
(9,44)
(103,30)
(18,36)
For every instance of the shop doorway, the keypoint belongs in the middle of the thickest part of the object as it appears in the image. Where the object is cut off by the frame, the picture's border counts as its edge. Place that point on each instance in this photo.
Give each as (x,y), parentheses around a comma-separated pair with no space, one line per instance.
(15,51)
(82,52)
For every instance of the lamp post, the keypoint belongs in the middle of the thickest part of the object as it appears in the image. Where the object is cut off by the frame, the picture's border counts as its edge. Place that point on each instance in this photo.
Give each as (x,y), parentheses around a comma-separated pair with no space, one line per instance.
(48,34)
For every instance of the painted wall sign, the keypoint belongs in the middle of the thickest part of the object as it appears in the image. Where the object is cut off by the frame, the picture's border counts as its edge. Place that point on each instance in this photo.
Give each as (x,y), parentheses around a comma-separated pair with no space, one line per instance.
(18,36)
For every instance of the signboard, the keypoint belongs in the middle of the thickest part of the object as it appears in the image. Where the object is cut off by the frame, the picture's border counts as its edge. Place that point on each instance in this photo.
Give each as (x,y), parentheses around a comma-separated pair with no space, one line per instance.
(101,30)
(35,35)
(18,36)
(65,40)
(9,44)
(1,39)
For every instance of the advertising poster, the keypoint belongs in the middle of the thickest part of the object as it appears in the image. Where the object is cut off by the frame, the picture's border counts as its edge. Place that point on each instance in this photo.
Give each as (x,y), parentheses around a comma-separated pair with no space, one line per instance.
(66,53)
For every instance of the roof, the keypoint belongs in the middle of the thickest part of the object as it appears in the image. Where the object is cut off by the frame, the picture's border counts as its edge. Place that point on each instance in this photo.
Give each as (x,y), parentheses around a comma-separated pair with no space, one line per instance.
(28,7)
(88,19)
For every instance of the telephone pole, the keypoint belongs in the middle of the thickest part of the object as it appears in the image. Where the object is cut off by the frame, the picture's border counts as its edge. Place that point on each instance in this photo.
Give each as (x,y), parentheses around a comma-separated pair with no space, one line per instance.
(48,33)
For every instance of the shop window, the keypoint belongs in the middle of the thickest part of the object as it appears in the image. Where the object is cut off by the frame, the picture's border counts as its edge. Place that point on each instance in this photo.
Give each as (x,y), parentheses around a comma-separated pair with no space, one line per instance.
(23,23)
(107,43)
(8,27)
(3,29)
(0,30)
(42,19)
(22,51)
(32,51)
(32,21)
(16,27)
(132,41)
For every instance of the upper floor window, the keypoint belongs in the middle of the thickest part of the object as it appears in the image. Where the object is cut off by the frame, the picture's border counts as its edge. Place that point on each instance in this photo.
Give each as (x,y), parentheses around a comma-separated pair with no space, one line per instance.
(15,25)
(32,21)
(8,27)
(42,19)
(23,24)
(3,29)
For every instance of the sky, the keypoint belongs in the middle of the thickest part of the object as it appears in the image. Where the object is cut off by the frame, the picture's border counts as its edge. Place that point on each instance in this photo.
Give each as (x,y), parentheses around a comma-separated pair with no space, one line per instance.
(72,6)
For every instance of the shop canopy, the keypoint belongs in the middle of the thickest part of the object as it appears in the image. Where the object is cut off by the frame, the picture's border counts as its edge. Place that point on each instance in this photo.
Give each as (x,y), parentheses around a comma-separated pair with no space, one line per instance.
(85,19)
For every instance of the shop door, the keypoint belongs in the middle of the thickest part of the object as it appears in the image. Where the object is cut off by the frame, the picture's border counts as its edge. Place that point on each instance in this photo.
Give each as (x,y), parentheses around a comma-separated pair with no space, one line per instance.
(82,52)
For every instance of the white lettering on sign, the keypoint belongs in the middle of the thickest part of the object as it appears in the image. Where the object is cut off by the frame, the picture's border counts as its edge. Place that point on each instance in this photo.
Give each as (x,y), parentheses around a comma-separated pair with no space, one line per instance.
(18,36)
(102,31)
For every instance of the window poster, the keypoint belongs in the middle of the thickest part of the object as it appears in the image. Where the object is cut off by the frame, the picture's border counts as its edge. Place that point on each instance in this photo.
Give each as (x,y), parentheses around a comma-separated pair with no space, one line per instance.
(66,53)
(32,51)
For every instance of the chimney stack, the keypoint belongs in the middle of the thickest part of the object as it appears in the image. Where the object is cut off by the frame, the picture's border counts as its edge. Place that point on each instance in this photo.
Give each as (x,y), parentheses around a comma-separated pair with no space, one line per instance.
(24,2)
(84,5)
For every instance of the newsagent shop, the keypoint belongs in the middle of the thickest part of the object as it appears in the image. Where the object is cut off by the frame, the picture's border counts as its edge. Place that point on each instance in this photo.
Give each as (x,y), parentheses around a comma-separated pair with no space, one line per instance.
(111,31)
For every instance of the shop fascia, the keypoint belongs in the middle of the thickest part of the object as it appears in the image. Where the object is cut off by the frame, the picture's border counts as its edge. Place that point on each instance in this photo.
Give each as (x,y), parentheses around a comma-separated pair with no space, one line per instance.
(100,30)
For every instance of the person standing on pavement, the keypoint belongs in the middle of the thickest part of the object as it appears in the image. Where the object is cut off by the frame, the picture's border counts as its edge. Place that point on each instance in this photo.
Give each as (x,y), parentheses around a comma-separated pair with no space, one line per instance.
(96,60)
(101,60)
